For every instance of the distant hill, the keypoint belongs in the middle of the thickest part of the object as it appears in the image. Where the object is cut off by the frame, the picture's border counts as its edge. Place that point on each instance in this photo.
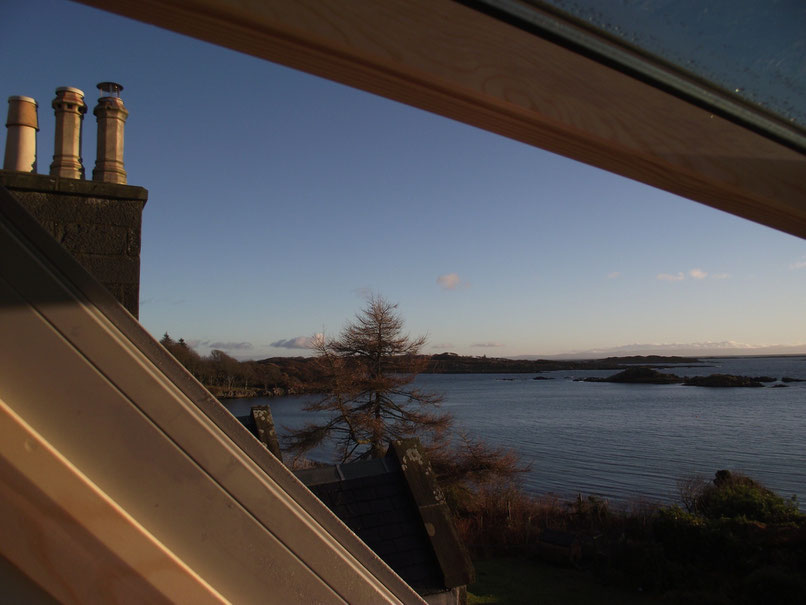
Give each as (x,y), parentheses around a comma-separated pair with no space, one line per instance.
(697,349)
(302,371)
(451,363)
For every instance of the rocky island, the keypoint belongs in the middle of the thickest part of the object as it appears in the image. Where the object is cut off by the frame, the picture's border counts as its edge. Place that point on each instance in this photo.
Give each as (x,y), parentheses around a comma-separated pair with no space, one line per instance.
(647,375)
(638,375)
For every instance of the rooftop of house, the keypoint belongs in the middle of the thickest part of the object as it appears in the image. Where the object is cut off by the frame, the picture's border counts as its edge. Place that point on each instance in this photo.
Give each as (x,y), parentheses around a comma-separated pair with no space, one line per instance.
(393,504)
(374,500)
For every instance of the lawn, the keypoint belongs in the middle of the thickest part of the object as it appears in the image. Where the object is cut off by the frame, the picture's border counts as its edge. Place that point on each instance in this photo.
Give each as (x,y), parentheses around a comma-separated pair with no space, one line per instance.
(510,581)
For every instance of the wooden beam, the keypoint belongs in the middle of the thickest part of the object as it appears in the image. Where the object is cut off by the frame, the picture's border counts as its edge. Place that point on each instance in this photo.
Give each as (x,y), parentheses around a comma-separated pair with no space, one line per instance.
(72,539)
(449,59)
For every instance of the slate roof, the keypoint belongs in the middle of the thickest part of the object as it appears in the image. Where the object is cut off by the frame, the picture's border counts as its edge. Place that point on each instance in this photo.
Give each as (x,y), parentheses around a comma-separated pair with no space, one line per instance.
(373,499)
(393,504)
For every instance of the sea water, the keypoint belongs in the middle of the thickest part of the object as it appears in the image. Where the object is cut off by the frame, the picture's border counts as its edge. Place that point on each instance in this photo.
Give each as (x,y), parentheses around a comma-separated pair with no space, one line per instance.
(623,442)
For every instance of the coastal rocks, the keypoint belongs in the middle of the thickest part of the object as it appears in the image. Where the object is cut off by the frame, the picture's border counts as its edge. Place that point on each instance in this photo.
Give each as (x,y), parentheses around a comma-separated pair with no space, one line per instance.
(542,378)
(722,380)
(639,375)
(790,379)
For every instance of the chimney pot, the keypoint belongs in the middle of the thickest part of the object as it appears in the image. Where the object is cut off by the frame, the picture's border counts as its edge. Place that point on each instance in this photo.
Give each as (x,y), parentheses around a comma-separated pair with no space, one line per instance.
(111,115)
(70,109)
(22,125)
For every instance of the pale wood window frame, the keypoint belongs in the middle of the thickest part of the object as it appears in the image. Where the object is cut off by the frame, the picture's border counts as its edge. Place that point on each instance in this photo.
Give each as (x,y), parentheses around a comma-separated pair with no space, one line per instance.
(452,60)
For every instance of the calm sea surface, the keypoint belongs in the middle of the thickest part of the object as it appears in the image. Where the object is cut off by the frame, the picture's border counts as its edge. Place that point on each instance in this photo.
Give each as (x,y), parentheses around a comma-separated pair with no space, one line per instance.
(624,442)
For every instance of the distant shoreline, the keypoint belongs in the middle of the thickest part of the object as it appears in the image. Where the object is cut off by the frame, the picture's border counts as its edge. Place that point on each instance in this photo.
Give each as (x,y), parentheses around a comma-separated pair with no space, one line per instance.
(298,375)
(451,363)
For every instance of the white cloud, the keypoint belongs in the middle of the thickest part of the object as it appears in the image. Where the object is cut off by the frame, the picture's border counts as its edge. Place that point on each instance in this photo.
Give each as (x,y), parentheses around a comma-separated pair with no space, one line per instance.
(487,345)
(614,275)
(670,277)
(445,346)
(451,281)
(698,274)
(720,276)
(800,264)
(300,342)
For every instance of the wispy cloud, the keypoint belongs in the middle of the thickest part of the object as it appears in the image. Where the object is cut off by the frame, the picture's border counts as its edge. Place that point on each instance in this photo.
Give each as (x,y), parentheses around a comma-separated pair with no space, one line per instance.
(442,345)
(614,275)
(451,281)
(300,342)
(229,346)
(695,273)
(487,345)
(798,264)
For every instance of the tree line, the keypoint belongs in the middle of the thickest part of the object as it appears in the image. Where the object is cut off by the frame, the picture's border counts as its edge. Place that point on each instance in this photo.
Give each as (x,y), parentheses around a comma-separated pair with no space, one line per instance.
(225,376)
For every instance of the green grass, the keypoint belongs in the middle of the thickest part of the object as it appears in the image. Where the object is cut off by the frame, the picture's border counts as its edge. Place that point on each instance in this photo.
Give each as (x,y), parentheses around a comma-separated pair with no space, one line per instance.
(511,581)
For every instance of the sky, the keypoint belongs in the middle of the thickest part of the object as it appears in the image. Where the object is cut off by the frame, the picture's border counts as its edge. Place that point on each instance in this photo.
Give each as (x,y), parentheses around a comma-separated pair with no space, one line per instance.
(279,200)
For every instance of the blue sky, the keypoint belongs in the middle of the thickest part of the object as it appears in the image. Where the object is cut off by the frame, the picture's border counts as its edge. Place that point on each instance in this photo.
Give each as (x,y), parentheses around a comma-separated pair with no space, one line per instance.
(277,200)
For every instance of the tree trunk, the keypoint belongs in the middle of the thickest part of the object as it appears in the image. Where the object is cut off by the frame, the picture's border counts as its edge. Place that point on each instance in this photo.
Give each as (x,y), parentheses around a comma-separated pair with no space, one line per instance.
(376,444)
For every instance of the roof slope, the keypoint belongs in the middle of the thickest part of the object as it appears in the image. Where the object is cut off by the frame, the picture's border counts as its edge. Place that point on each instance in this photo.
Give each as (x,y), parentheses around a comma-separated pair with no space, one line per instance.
(143,455)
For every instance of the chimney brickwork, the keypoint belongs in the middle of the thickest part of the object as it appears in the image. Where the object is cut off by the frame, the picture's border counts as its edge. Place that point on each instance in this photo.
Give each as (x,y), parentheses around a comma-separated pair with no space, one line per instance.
(98,221)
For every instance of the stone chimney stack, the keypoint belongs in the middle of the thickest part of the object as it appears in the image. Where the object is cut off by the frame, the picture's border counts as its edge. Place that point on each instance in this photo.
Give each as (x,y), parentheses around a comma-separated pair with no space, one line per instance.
(70,109)
(22,125)
(99,221)
(111,115)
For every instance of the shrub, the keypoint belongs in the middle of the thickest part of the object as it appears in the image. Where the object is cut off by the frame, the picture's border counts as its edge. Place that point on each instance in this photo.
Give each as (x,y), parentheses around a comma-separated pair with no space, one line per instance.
(501,518)
(732,495)
(591,514)
(682,534)
(733,541)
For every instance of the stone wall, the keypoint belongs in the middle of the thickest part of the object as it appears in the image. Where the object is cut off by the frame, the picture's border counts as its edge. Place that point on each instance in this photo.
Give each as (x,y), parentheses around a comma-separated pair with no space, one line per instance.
(98,223)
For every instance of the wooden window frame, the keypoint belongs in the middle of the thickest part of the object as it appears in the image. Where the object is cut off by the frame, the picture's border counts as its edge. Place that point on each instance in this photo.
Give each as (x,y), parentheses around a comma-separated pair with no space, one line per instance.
(449,59)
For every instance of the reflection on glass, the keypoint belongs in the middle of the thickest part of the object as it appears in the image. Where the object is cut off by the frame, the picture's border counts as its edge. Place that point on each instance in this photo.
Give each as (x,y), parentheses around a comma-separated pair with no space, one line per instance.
(756,50)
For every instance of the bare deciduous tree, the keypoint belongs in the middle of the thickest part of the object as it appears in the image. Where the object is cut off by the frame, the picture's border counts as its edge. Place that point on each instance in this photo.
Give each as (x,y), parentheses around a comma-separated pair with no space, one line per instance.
(367,373)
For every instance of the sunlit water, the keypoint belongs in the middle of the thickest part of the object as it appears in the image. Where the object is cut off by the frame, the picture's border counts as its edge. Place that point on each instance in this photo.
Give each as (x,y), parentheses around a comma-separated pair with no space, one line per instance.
(625,442)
